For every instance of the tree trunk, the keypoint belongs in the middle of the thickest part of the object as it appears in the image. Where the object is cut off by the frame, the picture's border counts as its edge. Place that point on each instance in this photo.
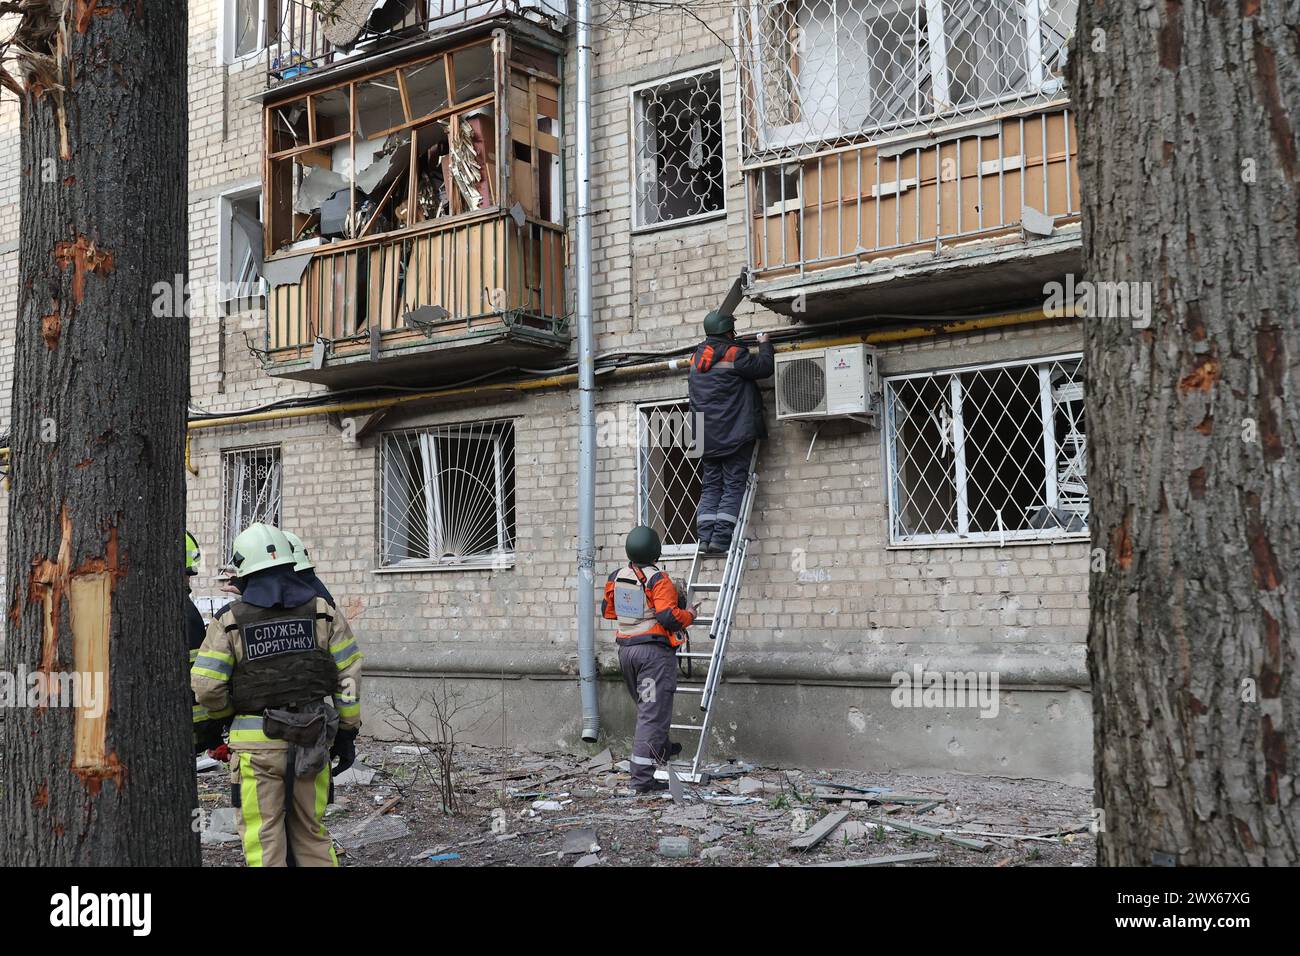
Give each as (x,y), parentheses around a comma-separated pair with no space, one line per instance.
(1188,157)
(97,500)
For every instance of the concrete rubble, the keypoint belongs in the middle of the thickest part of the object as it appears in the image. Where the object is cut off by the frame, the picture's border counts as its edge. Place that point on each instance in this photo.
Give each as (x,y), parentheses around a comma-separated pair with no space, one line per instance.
(556,809)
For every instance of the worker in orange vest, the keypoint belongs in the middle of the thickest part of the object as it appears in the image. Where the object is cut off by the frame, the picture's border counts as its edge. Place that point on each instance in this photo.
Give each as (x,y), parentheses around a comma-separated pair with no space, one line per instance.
(652,620)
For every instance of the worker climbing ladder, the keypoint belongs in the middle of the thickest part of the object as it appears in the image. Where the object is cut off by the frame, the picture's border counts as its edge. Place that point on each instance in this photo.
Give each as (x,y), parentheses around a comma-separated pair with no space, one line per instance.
(723,593)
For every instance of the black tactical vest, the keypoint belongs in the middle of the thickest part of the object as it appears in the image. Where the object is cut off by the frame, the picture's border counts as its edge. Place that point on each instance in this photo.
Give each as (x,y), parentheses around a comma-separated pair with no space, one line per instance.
(282,665)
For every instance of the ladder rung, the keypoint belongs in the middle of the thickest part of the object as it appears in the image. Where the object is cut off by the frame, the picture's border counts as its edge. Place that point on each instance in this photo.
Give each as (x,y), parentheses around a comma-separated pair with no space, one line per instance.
(694,654)
(689,690)
(705,619)
(706,587)
(684,727)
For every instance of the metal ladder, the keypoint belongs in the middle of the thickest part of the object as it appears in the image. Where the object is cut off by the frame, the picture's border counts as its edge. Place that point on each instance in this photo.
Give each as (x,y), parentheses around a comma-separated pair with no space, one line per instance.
(725,591)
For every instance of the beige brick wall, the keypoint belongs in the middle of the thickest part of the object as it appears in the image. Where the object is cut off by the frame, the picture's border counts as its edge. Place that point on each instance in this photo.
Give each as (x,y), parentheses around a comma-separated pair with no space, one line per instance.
(862,600)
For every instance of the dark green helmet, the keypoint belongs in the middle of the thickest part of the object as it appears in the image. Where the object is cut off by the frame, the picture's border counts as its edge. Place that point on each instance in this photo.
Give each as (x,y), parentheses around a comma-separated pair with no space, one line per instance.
(643,545)
(717,323)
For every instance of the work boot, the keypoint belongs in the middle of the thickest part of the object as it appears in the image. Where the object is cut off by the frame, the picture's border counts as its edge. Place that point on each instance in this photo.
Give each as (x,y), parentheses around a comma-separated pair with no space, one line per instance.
(654,786)
(704,533)
(720,543)
(673,750)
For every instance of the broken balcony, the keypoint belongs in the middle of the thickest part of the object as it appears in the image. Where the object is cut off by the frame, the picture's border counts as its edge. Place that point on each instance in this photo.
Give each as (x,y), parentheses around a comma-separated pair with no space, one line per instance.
(919,158)
(413,237)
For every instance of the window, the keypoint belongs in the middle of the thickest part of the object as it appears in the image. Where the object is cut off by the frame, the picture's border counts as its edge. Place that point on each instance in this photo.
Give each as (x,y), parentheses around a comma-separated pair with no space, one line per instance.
(678,147)
(831,68)
(448,496)
(250,26)
(668,474)
(240,254)
(997,453)
(250,490)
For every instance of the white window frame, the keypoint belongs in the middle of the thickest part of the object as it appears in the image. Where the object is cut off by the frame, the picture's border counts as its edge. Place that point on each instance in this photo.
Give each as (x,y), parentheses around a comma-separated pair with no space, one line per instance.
(642,492)
(225,265)
(960,538)
(226,38)
(495,560)
(276,513)
(634,93)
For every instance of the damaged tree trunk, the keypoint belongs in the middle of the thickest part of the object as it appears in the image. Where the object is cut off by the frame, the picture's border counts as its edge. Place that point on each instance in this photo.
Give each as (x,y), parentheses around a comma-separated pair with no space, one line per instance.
(1188,116)
(97,756)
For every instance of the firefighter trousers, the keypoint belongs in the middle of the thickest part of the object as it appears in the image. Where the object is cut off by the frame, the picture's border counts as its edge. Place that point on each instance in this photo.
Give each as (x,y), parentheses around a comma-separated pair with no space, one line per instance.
(650,673)
(270,834)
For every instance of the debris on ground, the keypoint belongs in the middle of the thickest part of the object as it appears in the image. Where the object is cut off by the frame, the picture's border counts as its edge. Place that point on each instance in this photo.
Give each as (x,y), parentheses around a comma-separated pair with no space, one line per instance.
(557,809)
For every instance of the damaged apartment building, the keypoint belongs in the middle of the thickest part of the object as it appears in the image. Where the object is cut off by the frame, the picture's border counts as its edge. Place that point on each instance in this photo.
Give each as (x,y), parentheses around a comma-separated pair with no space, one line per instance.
(382,199)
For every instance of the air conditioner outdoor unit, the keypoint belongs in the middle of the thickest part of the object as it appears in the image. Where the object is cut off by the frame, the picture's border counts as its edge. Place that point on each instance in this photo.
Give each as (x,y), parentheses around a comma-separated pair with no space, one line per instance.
(840,381)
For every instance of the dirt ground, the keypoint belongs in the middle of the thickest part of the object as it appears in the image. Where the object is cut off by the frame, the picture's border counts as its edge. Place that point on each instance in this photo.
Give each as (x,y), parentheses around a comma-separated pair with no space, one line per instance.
(528,809)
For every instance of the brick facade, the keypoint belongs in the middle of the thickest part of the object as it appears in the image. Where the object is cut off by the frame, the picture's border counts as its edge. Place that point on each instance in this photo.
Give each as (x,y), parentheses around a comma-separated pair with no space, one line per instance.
(828,611)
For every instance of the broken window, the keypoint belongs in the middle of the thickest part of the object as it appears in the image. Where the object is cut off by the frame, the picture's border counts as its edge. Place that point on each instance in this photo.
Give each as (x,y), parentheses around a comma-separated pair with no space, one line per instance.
(250,491)
(413,153)
(820,70)
(996,454)
(241,285)
(448,496)
(679,152)
(668,474)
(250,26)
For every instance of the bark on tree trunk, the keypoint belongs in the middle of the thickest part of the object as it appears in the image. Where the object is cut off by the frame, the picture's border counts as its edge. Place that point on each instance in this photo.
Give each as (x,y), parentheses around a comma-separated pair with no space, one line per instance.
(98,422)
(1188,115)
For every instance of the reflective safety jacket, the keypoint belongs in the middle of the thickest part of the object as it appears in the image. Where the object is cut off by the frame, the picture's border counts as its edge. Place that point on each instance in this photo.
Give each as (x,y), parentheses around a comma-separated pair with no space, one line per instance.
(646,605)
(723,390)
(251,652)
(195,631)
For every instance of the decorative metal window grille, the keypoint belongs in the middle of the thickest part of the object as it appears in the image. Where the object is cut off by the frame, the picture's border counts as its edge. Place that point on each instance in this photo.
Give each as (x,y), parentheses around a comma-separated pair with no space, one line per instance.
(997,453)
(816,73)
(448,495)
(668,474)
(679,166)
(250,490)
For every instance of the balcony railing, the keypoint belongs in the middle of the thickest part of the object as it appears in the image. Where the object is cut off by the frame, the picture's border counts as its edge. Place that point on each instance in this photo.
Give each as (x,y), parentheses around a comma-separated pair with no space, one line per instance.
(434,287)
(311,36)
(859,204)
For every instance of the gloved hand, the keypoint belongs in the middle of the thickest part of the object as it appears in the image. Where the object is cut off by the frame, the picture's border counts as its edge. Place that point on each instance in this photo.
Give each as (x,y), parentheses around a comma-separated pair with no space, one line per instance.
(207,735)
(345,748)
(221,753)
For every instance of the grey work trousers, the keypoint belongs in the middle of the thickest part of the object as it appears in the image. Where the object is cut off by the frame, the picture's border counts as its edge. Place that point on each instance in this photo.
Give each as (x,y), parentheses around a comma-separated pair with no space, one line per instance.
(722,489)
(650,672)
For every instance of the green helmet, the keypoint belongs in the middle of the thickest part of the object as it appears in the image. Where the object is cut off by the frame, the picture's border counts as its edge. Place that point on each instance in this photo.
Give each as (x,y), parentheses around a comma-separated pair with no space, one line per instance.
(191,554)
(260,546)
(304,562)
(643,545)
(718,323)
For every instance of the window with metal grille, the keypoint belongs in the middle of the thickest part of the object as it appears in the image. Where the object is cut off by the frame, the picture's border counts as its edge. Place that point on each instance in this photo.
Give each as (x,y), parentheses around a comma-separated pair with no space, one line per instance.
(822,70)
(668,474)
(677,132)
(995,453)
(448,496)
(250,491)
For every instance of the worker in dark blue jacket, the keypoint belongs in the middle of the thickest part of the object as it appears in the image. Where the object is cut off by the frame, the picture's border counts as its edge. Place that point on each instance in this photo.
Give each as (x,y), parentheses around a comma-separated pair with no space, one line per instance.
(728,413)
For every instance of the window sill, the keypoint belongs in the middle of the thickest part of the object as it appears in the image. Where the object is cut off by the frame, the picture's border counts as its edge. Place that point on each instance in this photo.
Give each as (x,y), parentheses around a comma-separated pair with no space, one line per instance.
(994,542)
(679,223)
(506,565)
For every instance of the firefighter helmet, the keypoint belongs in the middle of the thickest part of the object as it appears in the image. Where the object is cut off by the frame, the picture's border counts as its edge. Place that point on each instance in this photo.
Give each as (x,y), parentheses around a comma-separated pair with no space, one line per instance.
(191,554)
(303,559)
(260,546)
(643,545)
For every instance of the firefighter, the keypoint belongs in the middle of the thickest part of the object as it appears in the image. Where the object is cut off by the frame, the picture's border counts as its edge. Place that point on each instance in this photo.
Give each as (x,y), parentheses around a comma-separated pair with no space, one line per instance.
(652,621)
(207,727)
(306,569)
(273,657)
(728,411)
